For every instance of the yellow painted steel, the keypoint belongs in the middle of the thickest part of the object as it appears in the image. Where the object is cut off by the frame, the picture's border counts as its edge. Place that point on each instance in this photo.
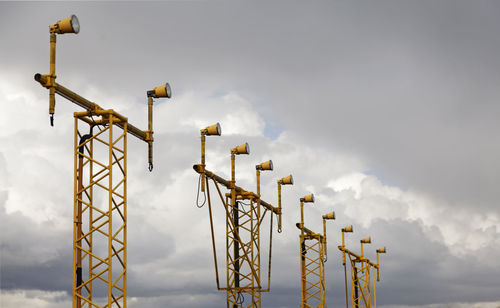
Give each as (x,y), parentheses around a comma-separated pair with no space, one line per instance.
(244,218)
(288,180)
(363,291)
(313,255)
(67,25)
(100,221)
(100,189)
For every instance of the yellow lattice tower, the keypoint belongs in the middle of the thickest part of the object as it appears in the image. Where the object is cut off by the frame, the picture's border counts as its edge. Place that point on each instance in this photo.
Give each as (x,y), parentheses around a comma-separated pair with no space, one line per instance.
(362,293)
(360,277)
(244,214)
(100,188)
(313,254)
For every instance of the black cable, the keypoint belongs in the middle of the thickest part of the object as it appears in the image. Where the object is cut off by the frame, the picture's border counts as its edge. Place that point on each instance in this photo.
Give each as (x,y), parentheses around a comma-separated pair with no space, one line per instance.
(92,118)
(198,195)
(244,203)
(240,299)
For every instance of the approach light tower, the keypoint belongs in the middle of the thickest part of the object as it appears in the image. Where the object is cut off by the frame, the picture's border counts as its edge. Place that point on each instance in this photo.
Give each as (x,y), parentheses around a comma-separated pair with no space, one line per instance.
(362,293)
(100,187)
(244,218)
(313,255)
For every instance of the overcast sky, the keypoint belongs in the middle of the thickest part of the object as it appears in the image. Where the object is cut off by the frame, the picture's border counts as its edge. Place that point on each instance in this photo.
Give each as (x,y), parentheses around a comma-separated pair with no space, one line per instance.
(386,110)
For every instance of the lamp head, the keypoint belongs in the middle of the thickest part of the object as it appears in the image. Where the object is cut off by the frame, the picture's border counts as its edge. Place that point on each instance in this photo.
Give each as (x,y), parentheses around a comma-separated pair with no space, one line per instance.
(382,250)
(287,180)
(366,240)
(308,198)
(241,149)
(348,229)
(67,25)
(160,91)
(329,216)
(268,165)
(212,130)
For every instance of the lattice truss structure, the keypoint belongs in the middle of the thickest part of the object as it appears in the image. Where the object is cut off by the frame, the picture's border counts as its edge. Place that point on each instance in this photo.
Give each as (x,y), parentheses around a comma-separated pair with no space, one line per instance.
(100,210)
(312,264)
(360,282)
(243,252)
(243,246)
(244,213)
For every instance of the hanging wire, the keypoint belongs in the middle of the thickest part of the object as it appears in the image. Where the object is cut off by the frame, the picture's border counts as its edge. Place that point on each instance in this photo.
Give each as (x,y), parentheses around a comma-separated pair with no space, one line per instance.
(243,203)
(92,118)
(240,299)
(243,207)
(198,205)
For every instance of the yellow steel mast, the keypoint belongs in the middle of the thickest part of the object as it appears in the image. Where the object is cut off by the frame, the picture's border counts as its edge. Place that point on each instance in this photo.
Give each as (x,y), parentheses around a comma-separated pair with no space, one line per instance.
(100,188)
(243,223)
(362,294)
(313,255)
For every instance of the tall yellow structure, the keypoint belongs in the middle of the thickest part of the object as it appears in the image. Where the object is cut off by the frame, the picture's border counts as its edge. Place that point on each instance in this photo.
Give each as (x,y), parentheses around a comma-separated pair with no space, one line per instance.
(362,278)
(100,188)
(244,215)
(313,255)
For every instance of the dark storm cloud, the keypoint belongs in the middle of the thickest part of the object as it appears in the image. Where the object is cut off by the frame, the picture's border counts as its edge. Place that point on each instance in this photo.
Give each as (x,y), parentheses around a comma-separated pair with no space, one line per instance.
(33,256)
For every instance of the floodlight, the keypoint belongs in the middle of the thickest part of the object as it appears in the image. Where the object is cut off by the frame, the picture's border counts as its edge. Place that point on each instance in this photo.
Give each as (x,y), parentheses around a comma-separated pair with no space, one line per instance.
(382,250)
(268,165)
(287,180)
(212,130)
(366,240)
(308,198)
(241,149)
(348,229)
(329,216)
(67,25)
(161,91)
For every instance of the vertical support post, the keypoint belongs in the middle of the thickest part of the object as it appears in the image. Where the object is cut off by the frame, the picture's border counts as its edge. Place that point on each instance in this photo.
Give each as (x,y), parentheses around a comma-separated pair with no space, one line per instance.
(228,253)
(378,268)
(303,286)
(110,213)
(375,290)
(303,273)
(75,299)
(91,272)
(78,225)
(356,287)
(52,77)
(322,273)
(203,138)
(124,171)
(345,270)
(256,281)
(302,217)
(257,172)
(324,238)
(279,206)
(150,132)
(234,205)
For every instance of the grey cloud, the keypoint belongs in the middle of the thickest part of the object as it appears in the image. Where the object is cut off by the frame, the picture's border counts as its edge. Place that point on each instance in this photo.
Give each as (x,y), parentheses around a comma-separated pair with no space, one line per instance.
(407,90)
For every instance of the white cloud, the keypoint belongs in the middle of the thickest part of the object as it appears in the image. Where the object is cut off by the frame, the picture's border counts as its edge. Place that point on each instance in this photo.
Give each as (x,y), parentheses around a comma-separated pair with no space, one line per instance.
(367,199)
